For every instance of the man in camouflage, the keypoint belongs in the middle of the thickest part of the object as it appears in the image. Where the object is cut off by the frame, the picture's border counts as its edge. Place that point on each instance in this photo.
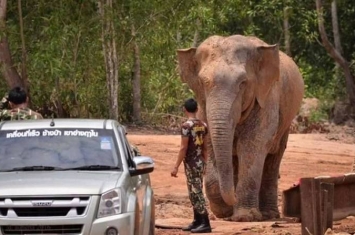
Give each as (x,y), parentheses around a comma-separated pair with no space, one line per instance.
(135,150)
(194,155)
(14,106)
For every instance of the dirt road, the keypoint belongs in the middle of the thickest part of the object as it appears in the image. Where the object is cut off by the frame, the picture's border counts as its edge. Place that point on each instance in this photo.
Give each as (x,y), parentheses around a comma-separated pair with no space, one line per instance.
(306,156)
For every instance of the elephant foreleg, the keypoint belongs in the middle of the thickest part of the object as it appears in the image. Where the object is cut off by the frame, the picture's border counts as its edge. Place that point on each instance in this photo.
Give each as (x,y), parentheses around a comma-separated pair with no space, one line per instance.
(268,191)
(247,190)
(252,151)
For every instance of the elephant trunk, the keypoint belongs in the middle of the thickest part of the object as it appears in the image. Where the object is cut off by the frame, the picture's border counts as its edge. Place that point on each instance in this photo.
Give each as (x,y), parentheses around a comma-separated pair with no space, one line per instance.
(221,126)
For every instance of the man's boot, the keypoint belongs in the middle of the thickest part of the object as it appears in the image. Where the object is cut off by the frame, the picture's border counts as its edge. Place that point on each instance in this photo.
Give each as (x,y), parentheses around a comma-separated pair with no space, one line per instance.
(194,224)
(204,226)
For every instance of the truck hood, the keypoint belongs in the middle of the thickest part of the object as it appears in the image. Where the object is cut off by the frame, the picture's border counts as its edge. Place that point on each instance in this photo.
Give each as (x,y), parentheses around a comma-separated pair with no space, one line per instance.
(26,183)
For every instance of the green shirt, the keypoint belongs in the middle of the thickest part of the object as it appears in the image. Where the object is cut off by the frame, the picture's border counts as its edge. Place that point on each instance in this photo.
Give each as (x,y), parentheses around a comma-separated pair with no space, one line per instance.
(19,114)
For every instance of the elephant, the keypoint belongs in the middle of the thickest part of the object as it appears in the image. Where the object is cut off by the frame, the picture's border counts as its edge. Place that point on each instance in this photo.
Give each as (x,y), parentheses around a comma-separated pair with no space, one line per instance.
(248,93)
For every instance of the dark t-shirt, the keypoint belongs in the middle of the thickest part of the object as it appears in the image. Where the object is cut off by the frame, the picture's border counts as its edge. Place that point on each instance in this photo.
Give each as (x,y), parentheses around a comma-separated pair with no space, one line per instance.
(195,130)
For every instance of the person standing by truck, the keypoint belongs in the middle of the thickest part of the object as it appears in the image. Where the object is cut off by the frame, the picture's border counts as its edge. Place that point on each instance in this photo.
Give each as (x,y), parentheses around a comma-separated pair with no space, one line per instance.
(194,155)
(14,106)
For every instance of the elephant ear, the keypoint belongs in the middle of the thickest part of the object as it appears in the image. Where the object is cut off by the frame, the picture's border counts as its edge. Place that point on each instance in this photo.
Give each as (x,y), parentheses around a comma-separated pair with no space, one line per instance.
(268,71)
(188,67)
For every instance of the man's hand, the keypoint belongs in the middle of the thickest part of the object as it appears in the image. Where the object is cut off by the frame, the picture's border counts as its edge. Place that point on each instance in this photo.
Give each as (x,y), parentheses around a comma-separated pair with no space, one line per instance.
(4,103)
(174,172)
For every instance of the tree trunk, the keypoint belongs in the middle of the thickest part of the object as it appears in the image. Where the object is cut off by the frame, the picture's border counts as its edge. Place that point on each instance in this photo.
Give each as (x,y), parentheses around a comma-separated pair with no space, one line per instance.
(23,45)
(8,70)
(24,75)
(59,104)
(136,82)
(287,31)
(197,33)
(336,33)
(336,55)
(110,55)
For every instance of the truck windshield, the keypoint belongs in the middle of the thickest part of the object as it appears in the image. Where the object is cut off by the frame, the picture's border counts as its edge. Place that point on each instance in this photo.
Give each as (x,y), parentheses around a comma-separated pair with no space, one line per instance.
(58,148)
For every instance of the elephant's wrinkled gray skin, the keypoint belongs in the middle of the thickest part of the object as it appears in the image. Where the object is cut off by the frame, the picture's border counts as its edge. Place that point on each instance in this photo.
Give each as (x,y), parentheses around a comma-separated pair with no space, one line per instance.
(248,92)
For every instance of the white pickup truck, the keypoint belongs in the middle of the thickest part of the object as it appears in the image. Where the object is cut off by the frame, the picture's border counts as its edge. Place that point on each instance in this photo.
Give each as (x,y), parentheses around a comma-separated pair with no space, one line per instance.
(73,176)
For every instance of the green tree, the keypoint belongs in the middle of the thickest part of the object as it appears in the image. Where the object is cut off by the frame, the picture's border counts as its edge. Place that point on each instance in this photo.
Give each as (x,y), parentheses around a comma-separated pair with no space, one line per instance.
(64,54)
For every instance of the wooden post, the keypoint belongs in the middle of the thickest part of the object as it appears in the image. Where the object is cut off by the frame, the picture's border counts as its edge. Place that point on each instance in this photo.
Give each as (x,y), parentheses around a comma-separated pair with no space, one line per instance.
(317,200)
(327,204)
(308,210)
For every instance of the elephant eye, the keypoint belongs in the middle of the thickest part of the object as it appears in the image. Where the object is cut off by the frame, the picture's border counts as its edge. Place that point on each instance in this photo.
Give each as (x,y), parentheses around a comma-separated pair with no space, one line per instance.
(206,81)
(242,84)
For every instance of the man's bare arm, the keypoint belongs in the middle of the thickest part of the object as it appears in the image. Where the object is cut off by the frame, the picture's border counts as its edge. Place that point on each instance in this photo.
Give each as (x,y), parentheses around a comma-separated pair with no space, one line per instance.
(183,150)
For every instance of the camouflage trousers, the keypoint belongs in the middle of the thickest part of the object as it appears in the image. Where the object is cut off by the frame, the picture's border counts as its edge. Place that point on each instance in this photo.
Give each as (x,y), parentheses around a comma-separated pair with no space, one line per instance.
(194,180)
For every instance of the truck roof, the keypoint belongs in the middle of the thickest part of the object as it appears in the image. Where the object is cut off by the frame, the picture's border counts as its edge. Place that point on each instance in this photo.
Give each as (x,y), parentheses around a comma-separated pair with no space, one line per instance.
(58,123)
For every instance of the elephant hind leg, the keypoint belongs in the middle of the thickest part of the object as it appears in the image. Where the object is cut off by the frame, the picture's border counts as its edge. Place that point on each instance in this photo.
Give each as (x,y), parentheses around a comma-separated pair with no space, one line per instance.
(268,192)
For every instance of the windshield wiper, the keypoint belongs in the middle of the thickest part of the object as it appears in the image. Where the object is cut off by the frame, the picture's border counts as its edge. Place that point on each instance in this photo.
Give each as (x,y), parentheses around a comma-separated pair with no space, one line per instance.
(94,168)
(35,168)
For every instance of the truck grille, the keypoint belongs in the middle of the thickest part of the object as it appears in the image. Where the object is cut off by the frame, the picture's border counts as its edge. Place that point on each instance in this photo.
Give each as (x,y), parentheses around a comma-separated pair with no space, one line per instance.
(43,207)
(42,229)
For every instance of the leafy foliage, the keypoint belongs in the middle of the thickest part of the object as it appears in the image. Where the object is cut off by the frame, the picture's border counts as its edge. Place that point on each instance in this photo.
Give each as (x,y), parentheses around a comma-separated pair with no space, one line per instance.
(66,64)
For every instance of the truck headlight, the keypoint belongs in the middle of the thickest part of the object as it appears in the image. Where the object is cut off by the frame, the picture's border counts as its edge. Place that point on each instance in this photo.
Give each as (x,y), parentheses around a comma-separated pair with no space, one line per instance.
(110,203)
